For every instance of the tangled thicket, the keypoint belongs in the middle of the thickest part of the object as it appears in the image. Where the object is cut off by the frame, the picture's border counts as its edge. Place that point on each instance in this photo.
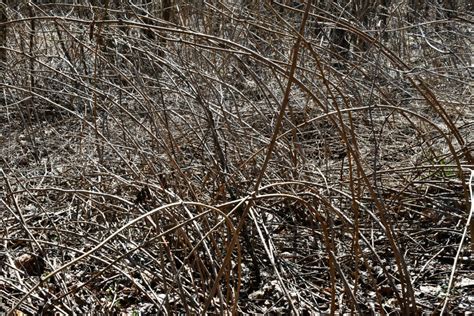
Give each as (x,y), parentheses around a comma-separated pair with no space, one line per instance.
(236,156)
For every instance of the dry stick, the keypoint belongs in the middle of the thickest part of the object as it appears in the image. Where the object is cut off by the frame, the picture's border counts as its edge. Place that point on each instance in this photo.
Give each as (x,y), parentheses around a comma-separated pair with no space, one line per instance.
(332,261)
(109,238)
(270,255)
(401,65)
(223,163)
(294,60)
(430,97)
(335,266)
(469,219)
(20,213)
(96,91)
(243,50)
(419,85)
(406,287)
(419,116)
(74,288)
(32,86)
(193,250)
(230,226)
(354,151)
